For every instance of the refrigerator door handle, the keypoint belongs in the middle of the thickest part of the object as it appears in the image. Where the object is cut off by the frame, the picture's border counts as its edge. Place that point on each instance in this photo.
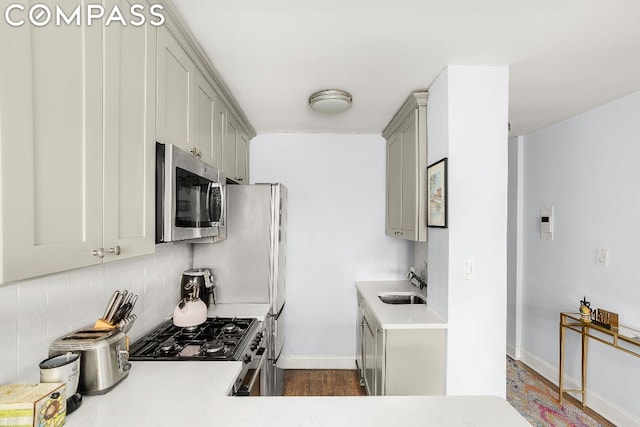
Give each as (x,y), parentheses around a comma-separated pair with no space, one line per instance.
(276,316)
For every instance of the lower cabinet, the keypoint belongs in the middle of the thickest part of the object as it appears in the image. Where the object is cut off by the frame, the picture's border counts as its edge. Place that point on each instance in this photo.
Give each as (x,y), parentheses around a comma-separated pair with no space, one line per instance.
(369,356)
(400,362)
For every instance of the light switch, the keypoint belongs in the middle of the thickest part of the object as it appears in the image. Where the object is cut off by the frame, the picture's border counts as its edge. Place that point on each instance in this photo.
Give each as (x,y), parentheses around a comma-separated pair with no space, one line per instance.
(602,257)
(468,268)
(546,223)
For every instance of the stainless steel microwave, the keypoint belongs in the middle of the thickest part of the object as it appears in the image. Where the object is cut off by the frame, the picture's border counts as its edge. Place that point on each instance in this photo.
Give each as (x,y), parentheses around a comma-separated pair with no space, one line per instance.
(190,197)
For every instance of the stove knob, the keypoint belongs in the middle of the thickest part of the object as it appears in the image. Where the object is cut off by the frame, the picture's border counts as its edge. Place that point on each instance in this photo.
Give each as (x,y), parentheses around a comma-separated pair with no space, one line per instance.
(247,358)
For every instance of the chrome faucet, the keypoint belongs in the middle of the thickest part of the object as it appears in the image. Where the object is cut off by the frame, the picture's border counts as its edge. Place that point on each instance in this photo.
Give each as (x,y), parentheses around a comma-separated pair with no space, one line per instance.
(416,280)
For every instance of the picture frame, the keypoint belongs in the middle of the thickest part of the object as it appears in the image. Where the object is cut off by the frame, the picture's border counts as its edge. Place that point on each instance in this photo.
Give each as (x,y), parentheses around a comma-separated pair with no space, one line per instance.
(437,194)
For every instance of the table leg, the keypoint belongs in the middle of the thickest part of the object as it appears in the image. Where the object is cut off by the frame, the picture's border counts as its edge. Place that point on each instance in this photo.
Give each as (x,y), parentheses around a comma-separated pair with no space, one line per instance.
(561,366)
(585,348)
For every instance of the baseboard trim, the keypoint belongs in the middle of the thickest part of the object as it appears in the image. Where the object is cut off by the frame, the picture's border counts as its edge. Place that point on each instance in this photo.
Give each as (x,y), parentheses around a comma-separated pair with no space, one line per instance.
(317,362)
(609,410)
(514,352)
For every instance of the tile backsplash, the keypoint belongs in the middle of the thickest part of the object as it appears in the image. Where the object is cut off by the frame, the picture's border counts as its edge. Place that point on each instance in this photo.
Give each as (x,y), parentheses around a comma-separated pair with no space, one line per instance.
(35,312)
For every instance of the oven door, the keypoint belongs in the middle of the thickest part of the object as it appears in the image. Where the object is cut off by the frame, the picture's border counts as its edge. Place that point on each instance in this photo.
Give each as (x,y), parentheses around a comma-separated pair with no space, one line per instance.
(252,379)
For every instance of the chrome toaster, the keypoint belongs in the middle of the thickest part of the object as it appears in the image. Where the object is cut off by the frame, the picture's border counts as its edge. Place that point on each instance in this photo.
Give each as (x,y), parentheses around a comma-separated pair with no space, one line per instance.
(104,360)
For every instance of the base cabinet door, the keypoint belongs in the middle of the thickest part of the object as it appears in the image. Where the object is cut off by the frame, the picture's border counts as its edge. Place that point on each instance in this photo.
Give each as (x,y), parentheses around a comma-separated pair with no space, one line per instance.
(380,362)
(368,357)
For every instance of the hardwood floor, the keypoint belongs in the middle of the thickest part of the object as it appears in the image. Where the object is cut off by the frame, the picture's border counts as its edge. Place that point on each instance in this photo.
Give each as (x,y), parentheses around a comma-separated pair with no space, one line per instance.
(322,382)
(344,382)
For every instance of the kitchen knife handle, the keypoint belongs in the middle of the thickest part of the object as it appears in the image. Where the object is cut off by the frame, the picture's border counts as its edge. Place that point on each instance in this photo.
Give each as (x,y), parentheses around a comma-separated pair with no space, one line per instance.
(110,304)
(115,307)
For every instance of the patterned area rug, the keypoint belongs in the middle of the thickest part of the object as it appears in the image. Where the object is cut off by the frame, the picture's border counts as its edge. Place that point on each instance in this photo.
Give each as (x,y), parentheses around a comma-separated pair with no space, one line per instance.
(538,403)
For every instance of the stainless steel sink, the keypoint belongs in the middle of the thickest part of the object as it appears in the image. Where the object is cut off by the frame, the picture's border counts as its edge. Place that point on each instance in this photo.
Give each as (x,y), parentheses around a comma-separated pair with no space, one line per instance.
(401,298)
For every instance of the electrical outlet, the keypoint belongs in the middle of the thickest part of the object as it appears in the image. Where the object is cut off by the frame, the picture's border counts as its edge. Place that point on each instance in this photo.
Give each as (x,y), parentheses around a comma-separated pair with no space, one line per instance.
(602,257)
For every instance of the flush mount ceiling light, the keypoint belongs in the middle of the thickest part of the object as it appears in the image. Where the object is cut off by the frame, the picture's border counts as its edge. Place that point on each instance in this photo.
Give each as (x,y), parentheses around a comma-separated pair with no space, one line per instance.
(330,101)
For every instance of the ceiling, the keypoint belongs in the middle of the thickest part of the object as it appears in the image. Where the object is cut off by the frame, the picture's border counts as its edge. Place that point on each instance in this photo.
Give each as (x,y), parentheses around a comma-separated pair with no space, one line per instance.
(565,56)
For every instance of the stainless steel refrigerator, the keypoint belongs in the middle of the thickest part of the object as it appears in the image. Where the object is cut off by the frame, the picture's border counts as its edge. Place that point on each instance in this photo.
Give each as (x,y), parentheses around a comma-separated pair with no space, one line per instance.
(249,265)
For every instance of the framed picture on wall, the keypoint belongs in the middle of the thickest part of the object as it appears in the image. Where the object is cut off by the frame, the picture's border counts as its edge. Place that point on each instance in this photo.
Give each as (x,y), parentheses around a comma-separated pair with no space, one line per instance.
(437,194)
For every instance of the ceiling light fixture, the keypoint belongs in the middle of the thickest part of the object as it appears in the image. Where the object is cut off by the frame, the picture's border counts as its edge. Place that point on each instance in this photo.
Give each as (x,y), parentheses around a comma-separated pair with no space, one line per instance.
(330,101)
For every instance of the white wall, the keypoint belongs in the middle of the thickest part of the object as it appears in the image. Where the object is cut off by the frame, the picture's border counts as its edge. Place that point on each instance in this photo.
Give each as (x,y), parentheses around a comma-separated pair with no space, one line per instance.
(514,247)
(335,234)
(35,312)
(585,167)
(438,238)
(472,103)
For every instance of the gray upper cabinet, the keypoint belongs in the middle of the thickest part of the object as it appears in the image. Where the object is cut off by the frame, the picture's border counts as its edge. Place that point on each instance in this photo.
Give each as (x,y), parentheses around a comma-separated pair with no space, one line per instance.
(129,140)
(208,124)
(51,142)
(406,196)
(192,111)
(229,148)
(81,108)
(236,152)
(76,165)
(176,93)
(242,158)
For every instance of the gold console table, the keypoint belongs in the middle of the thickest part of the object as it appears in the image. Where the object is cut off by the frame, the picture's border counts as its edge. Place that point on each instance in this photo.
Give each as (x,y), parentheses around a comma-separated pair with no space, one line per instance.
(623,338)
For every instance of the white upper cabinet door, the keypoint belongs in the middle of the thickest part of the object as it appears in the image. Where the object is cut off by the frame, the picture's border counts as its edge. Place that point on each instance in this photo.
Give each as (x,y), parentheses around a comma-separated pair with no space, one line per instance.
(175,92)
(235,152)
(208,130)
(51,148)
(242,158)
(219,131)
(129,139)
(229,148)
(406,137)
(409,178)
(394,185)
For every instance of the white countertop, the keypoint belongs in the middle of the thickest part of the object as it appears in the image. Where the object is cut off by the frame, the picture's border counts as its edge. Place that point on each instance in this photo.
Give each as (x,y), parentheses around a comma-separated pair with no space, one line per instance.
(259,311)
(162,394)
(398,316)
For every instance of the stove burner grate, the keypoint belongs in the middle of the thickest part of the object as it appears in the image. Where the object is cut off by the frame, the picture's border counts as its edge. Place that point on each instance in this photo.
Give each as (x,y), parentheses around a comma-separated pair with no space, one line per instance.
(216,339)
(214,346)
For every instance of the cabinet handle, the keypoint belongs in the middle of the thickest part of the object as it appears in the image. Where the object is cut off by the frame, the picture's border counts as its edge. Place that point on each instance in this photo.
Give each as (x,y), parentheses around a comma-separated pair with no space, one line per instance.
(115,250)
(195,152)
(98,252)
(240,179)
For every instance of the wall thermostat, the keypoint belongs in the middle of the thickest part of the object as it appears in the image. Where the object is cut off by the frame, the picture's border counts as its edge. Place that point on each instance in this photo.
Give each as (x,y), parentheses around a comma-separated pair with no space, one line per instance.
(546,223)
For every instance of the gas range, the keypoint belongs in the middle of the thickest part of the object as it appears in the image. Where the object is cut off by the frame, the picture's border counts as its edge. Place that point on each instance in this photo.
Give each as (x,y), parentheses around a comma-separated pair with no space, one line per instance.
(217,339)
